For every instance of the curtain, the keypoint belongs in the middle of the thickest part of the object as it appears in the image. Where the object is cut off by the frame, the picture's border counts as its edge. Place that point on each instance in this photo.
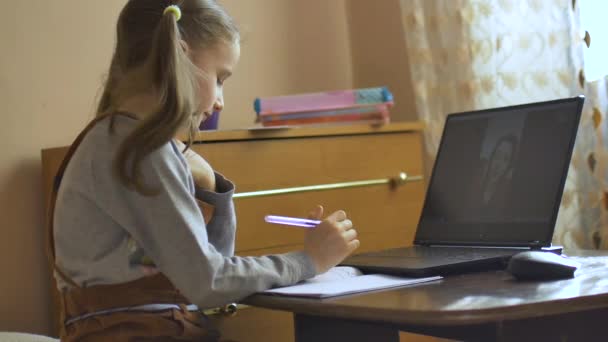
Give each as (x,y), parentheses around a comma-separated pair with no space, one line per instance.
(586,191)
(475,54)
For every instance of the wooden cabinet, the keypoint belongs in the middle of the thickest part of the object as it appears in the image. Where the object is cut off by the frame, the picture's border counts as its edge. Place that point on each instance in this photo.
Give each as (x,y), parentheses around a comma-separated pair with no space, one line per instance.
(307,157)
(256,160)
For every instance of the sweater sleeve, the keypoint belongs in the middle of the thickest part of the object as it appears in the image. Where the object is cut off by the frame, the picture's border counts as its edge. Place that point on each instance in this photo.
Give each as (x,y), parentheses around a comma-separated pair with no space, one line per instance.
(171,230)
(221,229)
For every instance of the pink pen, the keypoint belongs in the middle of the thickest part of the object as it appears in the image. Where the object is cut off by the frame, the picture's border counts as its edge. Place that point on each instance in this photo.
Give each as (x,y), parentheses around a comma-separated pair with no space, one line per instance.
(291,221)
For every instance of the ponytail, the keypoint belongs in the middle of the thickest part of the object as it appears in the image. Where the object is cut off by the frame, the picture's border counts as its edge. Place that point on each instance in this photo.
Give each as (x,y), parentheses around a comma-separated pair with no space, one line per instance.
(172,73)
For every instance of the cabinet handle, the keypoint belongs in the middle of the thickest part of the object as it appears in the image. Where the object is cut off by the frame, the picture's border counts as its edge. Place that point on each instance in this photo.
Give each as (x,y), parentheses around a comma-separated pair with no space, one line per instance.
(393,182)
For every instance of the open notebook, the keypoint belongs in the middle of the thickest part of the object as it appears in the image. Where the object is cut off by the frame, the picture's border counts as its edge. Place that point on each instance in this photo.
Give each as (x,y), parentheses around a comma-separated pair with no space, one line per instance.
(343,280)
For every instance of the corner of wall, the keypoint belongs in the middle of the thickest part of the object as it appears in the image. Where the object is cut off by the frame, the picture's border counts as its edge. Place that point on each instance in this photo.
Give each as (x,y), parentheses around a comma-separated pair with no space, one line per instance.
(379,52)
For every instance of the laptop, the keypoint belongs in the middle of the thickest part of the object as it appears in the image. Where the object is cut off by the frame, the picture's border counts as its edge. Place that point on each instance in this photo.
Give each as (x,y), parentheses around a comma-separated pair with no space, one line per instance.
(495,190)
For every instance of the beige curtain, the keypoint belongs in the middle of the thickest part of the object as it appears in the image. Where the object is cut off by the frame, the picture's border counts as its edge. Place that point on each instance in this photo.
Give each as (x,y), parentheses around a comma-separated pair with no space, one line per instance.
(582,220)
(473,54)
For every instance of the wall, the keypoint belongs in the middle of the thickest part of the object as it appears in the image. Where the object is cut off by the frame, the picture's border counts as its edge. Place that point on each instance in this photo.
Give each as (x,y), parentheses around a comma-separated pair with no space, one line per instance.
(289,47)
(54,55)
(379,54)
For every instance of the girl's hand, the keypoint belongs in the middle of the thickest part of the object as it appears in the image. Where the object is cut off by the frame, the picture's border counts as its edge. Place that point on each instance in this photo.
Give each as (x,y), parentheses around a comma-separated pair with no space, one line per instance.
(203,174)
(331,241)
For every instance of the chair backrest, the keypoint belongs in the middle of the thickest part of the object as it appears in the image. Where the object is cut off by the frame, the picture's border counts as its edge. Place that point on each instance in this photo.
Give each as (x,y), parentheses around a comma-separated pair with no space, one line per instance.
(22,337)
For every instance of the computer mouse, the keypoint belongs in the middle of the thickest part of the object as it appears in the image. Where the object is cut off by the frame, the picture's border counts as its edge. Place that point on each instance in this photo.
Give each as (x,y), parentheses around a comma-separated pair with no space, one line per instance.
(538,265)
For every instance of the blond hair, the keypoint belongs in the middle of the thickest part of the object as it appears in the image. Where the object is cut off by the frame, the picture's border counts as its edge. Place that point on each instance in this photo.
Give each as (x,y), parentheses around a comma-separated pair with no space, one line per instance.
(149,56)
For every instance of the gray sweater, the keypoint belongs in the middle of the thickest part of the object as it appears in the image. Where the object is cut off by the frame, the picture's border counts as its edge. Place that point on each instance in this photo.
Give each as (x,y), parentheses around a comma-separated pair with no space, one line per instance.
(106,233)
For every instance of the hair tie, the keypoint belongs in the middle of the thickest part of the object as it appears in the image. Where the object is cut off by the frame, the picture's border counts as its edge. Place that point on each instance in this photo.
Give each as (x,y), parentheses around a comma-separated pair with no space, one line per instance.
(173,9)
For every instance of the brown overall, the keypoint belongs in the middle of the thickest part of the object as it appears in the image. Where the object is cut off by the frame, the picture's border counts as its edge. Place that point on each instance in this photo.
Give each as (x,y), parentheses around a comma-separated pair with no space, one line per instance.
(168,325)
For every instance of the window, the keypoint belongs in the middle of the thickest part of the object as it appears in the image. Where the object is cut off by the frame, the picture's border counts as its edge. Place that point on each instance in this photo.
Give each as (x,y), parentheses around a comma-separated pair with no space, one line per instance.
(593,20)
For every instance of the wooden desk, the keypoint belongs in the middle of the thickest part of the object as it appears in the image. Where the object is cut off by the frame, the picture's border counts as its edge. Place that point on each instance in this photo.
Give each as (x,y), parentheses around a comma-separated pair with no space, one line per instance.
(487,306)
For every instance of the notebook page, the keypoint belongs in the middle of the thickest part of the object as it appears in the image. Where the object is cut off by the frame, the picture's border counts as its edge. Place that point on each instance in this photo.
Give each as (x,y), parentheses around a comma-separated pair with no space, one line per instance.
(335,273)
(364,283)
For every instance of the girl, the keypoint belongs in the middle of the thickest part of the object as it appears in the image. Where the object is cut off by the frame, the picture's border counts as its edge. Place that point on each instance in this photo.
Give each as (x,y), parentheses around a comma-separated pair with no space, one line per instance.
(135,257)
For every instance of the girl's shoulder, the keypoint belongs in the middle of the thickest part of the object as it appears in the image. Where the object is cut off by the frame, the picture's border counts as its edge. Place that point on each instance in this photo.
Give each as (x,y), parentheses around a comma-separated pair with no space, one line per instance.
(101,144)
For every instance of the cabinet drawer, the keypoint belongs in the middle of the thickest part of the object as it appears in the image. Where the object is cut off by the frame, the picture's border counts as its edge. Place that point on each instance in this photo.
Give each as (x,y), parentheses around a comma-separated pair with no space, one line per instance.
(384,217)
(377,212)
(278,163)
(256,325)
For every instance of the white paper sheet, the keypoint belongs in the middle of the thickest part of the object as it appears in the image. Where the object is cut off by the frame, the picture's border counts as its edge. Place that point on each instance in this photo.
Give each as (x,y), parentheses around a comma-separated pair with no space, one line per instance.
(348,285)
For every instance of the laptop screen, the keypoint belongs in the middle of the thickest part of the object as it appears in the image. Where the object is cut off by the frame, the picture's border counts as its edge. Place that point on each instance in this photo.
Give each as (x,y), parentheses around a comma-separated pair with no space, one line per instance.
(499,175)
